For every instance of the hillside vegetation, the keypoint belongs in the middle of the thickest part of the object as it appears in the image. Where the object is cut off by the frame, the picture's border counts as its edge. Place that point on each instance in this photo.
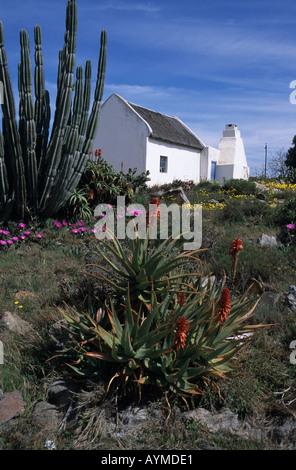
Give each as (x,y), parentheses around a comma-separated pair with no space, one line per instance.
(44,278)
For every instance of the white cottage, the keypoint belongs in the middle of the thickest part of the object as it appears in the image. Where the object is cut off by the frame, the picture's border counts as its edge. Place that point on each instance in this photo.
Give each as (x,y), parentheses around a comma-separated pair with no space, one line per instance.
(134,137)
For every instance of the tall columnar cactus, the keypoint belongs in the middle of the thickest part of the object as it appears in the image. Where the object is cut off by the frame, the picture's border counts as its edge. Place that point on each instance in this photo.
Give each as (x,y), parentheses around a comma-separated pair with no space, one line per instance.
(40,169)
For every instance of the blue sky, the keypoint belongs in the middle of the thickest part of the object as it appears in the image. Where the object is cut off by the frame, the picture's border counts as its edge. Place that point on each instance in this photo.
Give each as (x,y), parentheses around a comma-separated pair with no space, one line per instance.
(208,62)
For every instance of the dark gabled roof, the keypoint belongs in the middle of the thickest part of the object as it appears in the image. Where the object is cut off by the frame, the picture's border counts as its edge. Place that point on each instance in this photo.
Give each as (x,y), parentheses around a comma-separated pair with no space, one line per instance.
(168,129)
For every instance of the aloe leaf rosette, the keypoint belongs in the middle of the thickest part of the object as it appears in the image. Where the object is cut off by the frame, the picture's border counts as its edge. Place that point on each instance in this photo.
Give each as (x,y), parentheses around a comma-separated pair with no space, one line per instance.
(152,349)
(141,268)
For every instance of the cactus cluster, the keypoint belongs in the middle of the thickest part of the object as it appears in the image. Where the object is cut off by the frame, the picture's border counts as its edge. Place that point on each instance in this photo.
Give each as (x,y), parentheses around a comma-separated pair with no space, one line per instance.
(41,166)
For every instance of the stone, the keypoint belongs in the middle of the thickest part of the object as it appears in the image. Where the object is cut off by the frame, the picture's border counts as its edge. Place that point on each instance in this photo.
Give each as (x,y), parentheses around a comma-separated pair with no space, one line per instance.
(290,300)
(267,240)
(213,201)
(179,194)
(14,323)
(47,416)
(11,406)
(269,299)
(132,420)
(61,392)
(59,334)
(224,420)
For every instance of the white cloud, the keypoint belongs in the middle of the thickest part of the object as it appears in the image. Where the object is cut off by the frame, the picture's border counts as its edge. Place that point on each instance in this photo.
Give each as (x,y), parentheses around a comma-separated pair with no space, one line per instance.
(126,6)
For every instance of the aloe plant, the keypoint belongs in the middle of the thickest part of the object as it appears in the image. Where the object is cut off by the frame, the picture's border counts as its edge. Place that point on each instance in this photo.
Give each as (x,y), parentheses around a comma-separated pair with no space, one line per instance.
(39,170)
(144,347)
(141,268)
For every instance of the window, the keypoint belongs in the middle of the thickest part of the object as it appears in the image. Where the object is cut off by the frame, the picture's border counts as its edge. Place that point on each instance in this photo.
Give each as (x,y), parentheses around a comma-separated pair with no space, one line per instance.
(163,168)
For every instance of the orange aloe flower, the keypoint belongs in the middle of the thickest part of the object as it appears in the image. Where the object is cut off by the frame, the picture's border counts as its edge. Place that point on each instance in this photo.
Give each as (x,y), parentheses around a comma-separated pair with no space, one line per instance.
(224,306)
(236,246)
(181,333)
(91,194)
(156,213)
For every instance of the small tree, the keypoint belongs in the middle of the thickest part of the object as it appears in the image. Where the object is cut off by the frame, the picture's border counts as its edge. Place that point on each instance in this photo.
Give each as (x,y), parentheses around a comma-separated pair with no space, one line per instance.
(277,167)
(291,160)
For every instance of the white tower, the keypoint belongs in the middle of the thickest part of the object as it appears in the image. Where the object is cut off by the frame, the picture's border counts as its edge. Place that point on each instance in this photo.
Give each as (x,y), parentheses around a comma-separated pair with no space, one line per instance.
(232,161)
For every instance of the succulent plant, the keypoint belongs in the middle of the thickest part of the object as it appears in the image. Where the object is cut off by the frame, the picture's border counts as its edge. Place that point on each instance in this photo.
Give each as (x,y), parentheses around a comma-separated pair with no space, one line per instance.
(39,170)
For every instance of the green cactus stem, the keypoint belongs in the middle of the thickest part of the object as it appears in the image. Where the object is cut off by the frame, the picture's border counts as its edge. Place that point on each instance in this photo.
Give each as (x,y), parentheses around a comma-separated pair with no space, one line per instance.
(40,169)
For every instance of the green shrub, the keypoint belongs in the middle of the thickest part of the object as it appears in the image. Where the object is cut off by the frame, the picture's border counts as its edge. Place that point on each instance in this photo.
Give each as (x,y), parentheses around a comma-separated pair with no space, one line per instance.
(100,183)
(285,218)
(243,210)
(240,186)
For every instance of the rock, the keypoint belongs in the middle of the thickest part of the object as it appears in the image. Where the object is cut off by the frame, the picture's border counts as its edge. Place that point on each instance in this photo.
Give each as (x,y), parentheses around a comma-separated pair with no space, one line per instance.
(261,196)
(11,406)
(47,416)
(14,323)
(179,194)
(132,420)
(213,201)
(208,281)
(267,240)
(269,299)
(61,392)
(290,300)
(224,420)
(59,334)
(283,431)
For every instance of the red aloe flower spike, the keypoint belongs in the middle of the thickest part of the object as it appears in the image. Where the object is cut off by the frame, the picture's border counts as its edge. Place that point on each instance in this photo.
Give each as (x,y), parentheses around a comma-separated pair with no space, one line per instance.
(181,333)
(224,306)
(155,213)
(235,249)
(181,298)
(236,246)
